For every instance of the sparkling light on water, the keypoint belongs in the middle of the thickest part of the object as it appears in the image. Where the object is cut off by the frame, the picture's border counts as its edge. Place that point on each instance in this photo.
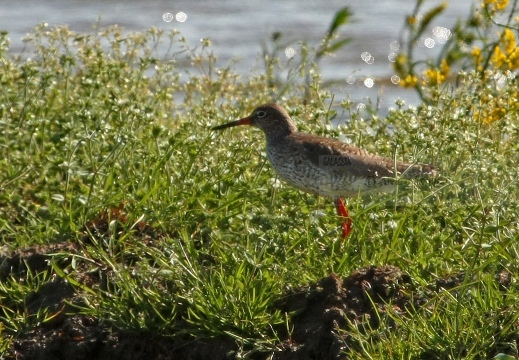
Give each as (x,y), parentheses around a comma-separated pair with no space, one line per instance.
(350,80)
(367,57)
(290,52)
(429,43)
(395,79)
(394,46)
(442,34)
(361,106)
(392,57)
(369,82)
(167,17)
(181,16)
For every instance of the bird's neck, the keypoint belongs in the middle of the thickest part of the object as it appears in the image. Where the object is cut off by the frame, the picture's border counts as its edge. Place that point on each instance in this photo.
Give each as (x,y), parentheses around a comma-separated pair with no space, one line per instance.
(278,133)
(279,136)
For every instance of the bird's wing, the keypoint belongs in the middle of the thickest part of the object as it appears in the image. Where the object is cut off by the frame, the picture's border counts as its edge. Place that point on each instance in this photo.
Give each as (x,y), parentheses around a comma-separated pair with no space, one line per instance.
(334,155)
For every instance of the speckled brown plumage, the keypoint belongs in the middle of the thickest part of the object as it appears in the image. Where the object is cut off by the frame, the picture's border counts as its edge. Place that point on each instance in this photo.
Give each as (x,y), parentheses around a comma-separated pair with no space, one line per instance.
(324,166)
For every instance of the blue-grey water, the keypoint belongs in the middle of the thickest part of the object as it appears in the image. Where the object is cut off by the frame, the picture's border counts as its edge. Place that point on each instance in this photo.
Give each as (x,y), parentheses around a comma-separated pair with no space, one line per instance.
(238,28)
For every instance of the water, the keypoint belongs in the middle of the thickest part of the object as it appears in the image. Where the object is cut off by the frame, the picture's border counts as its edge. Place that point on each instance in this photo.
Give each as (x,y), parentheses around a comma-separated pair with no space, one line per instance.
(237,29)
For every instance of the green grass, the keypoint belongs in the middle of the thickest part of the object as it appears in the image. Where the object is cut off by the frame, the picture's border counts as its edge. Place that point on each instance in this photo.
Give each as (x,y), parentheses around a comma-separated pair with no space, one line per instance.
(87,129)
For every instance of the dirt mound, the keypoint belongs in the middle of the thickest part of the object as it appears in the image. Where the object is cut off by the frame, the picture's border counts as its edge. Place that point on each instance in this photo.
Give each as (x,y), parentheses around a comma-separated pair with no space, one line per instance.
(324,310)
(322,314)
(320,311)
(81,337)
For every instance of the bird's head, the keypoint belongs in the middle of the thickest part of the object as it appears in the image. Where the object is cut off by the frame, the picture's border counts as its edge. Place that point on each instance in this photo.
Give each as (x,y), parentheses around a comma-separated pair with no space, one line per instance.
(272,119)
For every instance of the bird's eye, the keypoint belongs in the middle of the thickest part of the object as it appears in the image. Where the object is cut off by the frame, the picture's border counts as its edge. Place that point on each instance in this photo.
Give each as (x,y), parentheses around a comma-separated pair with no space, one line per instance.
(261,114)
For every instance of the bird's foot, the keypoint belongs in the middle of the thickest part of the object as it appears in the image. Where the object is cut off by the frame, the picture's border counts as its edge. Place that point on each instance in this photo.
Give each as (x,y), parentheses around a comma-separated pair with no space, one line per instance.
(346,228)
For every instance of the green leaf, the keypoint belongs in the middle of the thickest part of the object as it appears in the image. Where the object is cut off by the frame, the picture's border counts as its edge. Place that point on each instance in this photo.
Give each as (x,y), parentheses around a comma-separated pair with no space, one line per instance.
(337,45)
(429,16)
(341,17)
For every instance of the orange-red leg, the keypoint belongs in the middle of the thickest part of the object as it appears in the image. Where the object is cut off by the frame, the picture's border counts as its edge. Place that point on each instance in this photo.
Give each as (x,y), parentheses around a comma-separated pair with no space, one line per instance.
(343,213)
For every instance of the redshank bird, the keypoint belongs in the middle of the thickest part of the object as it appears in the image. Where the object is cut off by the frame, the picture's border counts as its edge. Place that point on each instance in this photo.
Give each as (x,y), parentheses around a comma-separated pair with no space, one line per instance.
(325,166)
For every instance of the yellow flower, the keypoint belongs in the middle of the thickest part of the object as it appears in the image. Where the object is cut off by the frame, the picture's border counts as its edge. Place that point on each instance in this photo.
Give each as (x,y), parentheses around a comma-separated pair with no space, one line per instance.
(401,60)
(476,52)
(498,58)
(497,5)
(490,109)
(437,76)
(445,68)
(411,20)
(478,58)
(506,53)
(501,5)
(409,81)
(401,65)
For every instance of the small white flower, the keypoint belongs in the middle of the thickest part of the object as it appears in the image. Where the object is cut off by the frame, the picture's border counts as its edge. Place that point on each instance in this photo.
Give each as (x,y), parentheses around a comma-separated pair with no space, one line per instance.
(392,224)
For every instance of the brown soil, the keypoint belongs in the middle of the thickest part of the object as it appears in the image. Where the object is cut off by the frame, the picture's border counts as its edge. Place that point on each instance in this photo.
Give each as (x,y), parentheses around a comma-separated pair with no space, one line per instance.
(321,314)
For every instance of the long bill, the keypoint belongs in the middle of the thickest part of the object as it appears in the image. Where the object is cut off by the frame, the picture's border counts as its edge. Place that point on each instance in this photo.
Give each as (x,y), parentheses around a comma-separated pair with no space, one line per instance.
(244,121)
